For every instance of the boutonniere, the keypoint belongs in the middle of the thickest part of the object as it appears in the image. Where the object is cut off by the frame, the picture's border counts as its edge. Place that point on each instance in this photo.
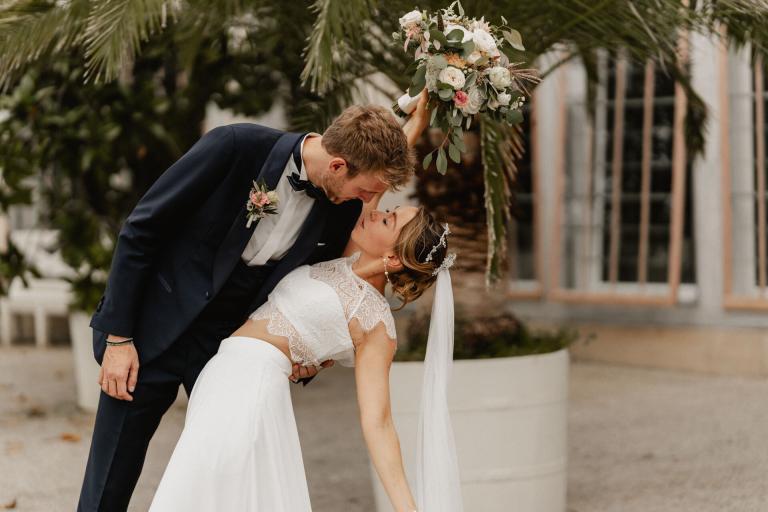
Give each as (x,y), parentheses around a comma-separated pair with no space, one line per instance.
(261,202)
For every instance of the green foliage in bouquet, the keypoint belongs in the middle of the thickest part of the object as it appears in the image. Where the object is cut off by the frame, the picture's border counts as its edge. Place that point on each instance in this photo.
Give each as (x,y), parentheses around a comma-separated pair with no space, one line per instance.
(479,337)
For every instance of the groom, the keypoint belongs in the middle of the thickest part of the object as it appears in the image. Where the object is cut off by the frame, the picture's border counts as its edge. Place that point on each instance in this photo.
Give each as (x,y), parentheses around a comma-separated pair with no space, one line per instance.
(189,268)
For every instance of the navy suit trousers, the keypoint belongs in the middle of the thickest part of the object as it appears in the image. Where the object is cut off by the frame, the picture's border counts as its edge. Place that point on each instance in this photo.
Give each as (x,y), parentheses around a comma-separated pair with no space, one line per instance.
(123,430)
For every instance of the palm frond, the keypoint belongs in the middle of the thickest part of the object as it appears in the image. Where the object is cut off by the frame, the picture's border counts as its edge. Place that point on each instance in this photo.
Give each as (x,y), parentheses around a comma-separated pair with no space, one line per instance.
(497,149)
(30,29)
(335,37)
(114,32)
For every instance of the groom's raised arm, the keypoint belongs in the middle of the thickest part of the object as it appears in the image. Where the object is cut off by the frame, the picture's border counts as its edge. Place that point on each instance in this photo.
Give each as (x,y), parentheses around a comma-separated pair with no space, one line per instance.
(182,186)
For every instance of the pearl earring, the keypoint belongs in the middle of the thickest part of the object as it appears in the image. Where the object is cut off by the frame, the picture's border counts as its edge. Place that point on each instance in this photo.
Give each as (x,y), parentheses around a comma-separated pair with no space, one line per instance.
(386,274)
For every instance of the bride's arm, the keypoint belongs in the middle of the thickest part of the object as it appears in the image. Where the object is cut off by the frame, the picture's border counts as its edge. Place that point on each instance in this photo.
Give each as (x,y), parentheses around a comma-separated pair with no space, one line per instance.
(373,358)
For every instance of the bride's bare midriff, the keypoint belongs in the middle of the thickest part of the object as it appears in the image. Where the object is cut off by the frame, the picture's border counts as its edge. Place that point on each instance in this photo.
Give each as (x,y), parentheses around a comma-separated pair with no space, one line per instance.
(258,329)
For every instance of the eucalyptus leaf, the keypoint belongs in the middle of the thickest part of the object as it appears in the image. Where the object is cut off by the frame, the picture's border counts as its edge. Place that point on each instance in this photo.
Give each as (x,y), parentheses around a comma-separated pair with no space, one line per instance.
(458,139)
(471,79)
(455,35)
(438,62)
(514,38)
(437,35)
(419,81)
(420,76)
(433,116)
(427,161)
(456,118)
(442,161)
(445,94)
(454,153)
(468,48)
(514,117)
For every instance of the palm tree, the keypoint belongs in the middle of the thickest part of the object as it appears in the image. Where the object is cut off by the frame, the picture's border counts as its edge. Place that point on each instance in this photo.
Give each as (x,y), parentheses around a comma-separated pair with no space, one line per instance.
(348,45)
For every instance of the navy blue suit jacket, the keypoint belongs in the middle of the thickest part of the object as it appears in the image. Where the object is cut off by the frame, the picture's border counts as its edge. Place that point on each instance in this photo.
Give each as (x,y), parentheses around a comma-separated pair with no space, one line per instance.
(182,240)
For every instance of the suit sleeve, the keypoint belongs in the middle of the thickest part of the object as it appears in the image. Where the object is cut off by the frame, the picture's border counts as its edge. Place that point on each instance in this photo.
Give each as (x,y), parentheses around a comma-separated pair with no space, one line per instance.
(182,186)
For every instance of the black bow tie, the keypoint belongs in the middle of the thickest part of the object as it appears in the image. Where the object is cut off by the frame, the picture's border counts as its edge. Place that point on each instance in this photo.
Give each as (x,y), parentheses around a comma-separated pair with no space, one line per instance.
(298,185)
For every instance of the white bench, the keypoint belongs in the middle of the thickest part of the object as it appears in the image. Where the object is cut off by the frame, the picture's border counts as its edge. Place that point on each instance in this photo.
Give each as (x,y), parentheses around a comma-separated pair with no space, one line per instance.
(43,298)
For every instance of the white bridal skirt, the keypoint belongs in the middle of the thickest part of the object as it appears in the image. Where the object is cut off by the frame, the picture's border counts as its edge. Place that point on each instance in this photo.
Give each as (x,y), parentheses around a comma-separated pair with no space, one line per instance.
(239,450)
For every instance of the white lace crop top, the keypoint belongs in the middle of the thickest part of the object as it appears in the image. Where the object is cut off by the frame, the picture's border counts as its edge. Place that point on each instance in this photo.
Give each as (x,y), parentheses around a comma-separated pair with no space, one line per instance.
(313,305)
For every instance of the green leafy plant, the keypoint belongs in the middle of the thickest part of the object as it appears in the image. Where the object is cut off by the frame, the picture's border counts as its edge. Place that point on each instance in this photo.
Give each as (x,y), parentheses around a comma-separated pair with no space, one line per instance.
(492,335)
(334,46)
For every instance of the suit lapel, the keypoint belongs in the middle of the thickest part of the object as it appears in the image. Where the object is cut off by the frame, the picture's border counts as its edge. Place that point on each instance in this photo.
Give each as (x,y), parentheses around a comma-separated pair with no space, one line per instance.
(238,235)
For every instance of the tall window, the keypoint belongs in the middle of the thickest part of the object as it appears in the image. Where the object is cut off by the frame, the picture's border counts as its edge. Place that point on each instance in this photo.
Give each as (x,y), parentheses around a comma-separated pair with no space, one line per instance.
(523,239)
(625,225)
(745,137)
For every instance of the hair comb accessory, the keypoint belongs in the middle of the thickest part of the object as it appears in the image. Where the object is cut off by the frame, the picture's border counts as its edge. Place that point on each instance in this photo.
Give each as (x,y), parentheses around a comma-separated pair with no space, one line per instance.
(446,264)
(440,243)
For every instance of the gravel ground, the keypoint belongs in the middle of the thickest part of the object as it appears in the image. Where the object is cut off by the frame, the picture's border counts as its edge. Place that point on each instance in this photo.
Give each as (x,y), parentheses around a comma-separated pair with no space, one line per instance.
(640,440)
(658,441)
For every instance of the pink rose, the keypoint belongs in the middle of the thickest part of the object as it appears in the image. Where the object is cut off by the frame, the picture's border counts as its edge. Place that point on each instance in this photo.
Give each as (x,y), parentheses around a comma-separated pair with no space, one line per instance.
(259,199)
(461,99)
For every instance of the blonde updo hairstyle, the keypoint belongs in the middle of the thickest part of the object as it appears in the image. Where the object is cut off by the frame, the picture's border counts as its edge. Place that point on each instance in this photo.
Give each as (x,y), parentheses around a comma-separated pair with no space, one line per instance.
(415,241)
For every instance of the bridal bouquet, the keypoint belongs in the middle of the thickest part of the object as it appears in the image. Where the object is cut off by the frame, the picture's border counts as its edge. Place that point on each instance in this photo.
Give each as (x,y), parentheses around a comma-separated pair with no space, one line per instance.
(467,66)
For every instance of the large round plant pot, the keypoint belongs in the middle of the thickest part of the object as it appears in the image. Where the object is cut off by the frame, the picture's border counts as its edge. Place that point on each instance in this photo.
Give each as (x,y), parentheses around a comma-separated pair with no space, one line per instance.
(509,418)
(86,367)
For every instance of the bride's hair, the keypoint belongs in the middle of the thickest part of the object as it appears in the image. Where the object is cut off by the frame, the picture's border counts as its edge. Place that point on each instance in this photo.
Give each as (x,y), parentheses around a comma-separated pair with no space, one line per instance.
(417,238)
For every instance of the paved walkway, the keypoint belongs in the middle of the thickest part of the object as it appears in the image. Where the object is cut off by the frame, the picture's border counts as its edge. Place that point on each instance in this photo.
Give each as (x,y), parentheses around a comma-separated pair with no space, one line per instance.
(640,440)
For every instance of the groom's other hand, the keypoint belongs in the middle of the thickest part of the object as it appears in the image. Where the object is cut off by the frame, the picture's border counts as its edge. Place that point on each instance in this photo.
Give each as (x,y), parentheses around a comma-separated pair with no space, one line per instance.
(308,372)
(119,370)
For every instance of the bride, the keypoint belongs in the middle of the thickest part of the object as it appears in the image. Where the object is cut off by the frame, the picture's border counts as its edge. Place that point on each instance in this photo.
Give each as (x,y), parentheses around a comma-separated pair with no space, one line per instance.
(240,451)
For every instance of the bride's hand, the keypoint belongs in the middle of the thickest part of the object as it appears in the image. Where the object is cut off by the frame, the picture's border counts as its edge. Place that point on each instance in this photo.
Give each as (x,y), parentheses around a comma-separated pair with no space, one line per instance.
(304,372)
(418,120)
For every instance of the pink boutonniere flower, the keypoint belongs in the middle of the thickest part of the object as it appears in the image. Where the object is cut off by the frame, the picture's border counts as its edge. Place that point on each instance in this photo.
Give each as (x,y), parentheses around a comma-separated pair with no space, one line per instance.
(261,202)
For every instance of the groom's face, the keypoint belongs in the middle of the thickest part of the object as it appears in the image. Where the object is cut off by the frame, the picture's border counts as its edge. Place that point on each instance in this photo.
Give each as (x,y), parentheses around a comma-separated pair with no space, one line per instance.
(340,187)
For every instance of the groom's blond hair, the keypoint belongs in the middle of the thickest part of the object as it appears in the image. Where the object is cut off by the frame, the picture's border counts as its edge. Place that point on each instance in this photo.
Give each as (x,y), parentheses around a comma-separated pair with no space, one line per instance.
(370,139)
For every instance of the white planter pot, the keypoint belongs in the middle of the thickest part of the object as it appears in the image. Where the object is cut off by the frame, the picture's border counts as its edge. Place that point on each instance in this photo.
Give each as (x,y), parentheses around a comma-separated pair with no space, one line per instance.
(86,367)
(509,418)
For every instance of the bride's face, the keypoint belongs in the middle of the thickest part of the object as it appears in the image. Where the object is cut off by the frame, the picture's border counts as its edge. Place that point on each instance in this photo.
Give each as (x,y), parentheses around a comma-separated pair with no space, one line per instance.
(377,232)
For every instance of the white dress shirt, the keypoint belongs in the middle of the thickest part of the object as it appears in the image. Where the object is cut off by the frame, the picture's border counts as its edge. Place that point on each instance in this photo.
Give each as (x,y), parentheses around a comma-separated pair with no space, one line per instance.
(276,233)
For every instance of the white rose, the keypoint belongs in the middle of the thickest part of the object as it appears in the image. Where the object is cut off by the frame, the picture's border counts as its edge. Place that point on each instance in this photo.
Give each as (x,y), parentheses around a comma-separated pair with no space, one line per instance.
(452,76)
(410,19)
(466,34)
(499,77)
(476,99)
(484,41)
(504,98)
